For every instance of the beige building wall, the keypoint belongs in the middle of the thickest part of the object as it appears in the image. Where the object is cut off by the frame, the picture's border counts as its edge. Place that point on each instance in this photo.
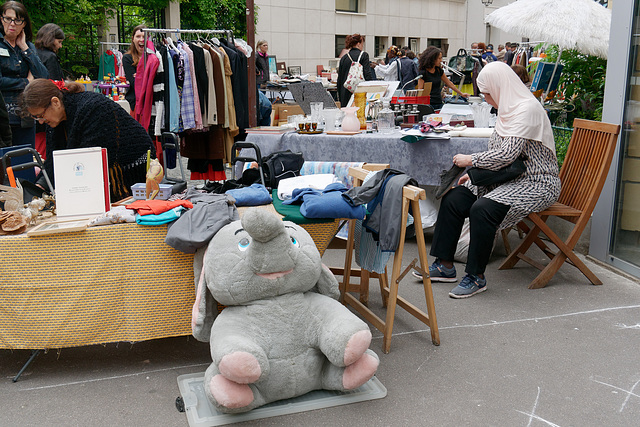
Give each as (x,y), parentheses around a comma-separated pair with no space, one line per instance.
(302,32)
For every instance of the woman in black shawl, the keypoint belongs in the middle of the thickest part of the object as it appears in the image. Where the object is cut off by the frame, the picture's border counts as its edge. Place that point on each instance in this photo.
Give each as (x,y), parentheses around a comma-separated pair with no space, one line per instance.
(78,119)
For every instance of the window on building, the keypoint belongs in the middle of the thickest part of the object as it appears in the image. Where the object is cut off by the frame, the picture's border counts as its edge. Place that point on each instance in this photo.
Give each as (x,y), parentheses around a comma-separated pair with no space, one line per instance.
(397,41)
(414,45)
(436,42)
(380,48)
(347,6)
(340,41)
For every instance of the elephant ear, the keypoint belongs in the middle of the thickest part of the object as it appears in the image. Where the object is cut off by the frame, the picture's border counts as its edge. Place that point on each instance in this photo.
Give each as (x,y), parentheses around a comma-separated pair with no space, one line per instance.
(205,307)
(327,284)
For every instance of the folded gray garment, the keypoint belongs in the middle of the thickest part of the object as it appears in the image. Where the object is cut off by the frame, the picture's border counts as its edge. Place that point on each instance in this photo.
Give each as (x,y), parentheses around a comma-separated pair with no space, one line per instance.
(195,228)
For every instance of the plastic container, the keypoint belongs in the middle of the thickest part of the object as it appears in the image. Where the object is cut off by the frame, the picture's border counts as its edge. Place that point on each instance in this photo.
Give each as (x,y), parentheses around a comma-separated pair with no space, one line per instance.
(140,191)
(410,100)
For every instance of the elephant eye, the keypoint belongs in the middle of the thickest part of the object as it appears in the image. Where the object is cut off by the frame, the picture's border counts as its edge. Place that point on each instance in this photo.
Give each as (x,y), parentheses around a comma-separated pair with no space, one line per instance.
(243,244)
(295,242)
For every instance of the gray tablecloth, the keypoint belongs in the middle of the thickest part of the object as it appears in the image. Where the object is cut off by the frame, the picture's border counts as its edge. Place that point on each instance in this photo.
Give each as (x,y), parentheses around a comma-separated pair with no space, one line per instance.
(423,160)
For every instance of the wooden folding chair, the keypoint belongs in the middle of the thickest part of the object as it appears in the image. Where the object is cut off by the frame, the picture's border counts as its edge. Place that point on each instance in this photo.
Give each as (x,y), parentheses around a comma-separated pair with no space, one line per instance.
(389,290)
(582,176)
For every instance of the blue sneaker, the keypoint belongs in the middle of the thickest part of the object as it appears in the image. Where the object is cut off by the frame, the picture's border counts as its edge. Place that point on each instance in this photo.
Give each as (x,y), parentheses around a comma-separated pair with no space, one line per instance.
(469,286)
(438,273)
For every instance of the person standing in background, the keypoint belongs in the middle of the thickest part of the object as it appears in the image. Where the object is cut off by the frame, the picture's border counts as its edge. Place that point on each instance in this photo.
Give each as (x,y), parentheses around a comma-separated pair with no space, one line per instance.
(262,76)
(412,56)
(408,71)
(19,65)
(390,71)
(501,52)
(130,63)
(508,56)
(262,62)
(48,42)
(432,72)
(488,55)
(522,72)
(355,44)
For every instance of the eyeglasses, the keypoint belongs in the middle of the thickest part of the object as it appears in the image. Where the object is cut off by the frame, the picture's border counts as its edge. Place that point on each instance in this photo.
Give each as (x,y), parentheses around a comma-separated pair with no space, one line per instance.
(17,21)
(41,115)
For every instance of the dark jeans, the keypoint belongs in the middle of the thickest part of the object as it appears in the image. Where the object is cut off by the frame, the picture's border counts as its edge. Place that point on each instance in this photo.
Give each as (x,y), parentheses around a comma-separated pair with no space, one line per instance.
(264,110)
(485,216)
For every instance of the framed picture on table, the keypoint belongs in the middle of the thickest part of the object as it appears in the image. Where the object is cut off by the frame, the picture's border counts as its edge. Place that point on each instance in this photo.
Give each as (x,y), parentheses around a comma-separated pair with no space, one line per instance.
(56,227)
(295,70)
(272,64)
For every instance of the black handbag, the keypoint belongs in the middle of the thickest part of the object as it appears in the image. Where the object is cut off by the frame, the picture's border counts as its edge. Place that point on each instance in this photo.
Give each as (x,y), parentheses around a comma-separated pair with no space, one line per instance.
(485,177)
(281,165)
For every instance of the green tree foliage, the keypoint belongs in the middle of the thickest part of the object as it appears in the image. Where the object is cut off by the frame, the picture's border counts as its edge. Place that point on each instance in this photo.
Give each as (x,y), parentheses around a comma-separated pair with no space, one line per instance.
(581,82)
(214,15)
(82,19)
(581,89)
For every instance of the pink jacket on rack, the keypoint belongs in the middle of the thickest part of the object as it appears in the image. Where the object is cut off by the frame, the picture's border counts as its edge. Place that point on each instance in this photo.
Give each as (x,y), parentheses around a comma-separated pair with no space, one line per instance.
(145,73)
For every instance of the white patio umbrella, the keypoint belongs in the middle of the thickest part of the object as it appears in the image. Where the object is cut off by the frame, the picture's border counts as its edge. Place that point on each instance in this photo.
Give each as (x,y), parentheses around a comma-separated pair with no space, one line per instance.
(583,25)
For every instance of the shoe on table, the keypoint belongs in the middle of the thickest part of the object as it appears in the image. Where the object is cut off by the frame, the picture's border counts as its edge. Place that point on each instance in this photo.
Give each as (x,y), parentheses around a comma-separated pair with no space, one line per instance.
(469,286)
(438,273)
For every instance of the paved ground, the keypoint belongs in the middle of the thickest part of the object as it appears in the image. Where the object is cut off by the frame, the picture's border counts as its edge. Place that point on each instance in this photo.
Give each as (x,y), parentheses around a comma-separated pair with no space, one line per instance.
(566,355)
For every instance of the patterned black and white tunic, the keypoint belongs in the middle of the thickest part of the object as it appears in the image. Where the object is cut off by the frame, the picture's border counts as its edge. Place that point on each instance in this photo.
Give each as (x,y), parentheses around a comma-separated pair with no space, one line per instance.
(533,191)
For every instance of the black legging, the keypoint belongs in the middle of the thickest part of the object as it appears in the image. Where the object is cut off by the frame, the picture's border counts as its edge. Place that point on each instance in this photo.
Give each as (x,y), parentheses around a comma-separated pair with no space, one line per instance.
(485,216)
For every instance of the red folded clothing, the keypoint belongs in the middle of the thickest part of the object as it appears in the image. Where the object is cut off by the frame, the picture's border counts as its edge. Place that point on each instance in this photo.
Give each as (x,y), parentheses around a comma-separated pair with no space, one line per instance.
(156,207)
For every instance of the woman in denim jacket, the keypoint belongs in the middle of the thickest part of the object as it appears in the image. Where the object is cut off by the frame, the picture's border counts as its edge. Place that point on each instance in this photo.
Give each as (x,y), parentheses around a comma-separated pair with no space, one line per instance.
(19,64)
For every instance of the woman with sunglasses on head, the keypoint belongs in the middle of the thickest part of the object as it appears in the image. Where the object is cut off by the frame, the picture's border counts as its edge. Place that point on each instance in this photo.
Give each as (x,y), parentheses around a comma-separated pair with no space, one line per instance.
(19,64)
(78,119)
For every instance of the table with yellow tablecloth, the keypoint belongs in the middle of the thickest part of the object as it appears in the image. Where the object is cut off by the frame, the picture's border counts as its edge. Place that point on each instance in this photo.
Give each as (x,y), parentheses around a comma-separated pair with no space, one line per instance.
(110,283)
(106,284)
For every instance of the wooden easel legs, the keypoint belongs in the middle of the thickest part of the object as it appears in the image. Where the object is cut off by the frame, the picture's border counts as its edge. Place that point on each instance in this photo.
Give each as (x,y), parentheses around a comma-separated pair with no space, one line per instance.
(389,290)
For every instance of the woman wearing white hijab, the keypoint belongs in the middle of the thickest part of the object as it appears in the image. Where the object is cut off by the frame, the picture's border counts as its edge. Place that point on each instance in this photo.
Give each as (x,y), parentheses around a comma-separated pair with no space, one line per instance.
(522,128)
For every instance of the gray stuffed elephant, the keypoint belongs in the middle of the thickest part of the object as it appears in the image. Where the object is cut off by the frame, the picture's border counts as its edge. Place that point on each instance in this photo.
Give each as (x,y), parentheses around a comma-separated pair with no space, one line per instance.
(283,333)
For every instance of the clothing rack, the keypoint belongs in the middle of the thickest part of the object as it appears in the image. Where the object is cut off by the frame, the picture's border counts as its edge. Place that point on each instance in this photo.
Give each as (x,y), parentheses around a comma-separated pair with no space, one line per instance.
(527,44)
(103,44)
(177,31)
(170,139)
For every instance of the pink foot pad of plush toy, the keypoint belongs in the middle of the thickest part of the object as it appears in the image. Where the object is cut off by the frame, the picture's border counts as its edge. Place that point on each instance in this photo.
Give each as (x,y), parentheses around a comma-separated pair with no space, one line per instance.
(240,367)
(360,372)
(229,394)
(357,345)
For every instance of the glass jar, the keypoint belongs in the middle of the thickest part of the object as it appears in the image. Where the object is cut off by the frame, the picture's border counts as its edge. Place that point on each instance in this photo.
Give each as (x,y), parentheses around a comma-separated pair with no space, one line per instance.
(386,119)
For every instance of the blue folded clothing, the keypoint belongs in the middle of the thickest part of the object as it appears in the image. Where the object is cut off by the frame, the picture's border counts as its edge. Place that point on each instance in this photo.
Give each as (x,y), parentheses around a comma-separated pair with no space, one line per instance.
(163,218)
(327,203)
(254,195)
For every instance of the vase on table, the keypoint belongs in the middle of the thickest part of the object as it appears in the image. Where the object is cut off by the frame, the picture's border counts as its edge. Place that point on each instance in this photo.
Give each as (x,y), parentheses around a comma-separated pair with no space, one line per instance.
(360,101)
(350,123)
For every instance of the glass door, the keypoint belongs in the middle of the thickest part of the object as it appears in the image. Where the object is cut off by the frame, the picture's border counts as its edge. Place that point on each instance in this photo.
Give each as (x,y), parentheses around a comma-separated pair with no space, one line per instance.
(626,224)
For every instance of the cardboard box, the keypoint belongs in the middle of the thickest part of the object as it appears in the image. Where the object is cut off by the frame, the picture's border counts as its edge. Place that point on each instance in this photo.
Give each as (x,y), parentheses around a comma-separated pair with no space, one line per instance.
(282,111)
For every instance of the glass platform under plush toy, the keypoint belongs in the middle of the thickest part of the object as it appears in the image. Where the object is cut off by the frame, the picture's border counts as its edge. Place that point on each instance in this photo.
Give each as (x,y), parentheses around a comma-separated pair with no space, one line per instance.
(201,412)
